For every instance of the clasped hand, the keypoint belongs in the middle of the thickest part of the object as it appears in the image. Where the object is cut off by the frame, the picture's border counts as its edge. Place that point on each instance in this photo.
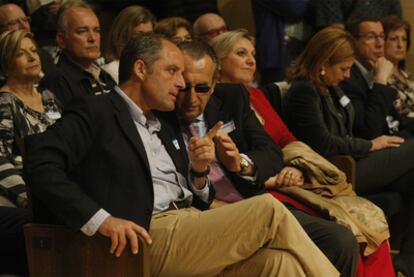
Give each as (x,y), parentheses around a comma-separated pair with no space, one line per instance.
(287,177)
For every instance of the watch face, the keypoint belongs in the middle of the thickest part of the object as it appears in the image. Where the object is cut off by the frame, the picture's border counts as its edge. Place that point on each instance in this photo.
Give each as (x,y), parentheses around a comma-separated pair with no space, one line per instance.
(244,163)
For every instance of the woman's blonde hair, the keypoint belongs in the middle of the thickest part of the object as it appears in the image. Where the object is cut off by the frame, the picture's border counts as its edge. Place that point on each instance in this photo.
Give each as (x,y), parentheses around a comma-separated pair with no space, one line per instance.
(223,43)
(10,43)
(330,45)
(122,29)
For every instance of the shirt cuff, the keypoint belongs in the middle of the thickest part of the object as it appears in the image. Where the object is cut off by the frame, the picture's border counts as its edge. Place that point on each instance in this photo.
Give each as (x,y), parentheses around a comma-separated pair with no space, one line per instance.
(203,193)
(95,222)
(251,179)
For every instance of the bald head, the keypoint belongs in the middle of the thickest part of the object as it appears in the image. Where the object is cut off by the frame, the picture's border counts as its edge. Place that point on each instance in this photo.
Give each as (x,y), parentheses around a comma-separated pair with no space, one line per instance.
(208,26)
(12,17)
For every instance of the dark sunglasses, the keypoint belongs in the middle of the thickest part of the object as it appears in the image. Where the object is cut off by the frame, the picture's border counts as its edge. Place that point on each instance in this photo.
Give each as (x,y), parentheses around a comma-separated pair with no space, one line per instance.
(199,88)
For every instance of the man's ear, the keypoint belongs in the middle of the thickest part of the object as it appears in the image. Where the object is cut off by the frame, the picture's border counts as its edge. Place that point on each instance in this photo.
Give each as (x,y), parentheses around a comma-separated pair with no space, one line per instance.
(213,85)
(60,40)
(140,69)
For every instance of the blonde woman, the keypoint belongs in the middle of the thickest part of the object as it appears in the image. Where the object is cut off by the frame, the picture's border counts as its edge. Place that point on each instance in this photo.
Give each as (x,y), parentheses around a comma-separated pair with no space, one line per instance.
(24,109)
(236,52)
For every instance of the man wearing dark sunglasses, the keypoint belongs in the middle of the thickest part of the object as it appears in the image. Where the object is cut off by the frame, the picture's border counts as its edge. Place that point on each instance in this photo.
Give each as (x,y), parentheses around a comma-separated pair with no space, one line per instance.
(245,156)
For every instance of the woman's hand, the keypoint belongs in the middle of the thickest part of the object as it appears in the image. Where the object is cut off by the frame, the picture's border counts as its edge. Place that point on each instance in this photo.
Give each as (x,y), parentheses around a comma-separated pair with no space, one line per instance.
(287,177)
(384,141)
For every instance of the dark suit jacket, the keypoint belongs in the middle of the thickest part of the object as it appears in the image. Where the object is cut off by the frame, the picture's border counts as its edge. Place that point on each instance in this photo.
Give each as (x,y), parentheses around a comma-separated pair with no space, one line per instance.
(321,122)
(94,158)
(371,105)
(231,102)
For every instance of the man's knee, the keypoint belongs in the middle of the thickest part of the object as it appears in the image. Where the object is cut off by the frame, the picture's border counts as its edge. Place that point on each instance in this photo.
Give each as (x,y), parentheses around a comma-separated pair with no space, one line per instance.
(267,262)
(268,203)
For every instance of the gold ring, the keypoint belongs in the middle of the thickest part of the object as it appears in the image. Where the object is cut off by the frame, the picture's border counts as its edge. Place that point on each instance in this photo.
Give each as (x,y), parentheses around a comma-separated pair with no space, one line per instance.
(289,173)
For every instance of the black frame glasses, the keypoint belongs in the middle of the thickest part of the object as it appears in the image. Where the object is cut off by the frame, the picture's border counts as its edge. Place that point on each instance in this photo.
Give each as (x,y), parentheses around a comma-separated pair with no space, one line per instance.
(199,88)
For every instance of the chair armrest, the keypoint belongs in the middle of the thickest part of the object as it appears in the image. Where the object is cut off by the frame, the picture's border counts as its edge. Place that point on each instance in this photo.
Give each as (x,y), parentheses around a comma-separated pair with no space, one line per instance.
(54,250)
(347,164)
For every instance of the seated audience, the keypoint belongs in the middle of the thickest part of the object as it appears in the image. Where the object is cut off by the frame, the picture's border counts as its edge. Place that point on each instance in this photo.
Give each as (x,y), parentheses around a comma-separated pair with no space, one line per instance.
(208,26)
(79,38)
(128,22)
(321,115)
(236,52)
(119,145)
(23,111)
(178,29)
(397,43)
(367,86)
(242,148)
(12,17)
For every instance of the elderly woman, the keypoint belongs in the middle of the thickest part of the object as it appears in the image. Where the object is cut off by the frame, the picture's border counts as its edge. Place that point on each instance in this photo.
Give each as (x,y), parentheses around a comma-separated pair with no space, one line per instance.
(397,43)
(23,109)
(128,22)
(320,114)
(236,52)
(178,29)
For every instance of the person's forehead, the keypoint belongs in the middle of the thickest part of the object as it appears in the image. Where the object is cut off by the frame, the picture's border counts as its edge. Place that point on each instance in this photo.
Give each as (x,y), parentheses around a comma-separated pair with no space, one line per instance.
(203,67)
(170,54)
(400,31)
(371,26)
(144,27)
(79,16)
(10,12)
(215,21)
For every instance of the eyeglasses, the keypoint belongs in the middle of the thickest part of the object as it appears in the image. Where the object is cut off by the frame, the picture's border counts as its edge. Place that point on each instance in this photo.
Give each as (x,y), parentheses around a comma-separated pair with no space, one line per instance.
(15,22)
(215,32)
(199,88)
(371,37)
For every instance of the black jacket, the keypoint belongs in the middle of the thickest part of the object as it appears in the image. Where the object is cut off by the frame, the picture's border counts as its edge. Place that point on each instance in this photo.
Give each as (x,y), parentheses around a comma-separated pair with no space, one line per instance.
(231,102)
(94,158)
(321,122)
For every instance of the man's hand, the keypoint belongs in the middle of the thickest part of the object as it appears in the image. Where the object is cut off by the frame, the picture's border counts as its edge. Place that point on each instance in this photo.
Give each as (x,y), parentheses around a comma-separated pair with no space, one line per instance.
(120,231)
(287,177)
(227,152)
(384,141)
(383,70)
(201,151)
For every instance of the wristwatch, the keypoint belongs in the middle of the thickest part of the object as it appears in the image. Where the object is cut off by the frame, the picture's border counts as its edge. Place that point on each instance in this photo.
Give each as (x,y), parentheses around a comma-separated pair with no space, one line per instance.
(244,165)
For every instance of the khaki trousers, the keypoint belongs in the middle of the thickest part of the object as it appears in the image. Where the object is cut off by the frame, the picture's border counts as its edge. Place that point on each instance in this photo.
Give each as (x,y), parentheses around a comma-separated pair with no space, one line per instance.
(254,237)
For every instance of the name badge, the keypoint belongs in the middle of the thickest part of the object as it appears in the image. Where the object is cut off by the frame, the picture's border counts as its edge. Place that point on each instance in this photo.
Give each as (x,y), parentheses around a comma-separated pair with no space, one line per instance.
(53,115)
(228,127)
(176,144)
(344,101)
